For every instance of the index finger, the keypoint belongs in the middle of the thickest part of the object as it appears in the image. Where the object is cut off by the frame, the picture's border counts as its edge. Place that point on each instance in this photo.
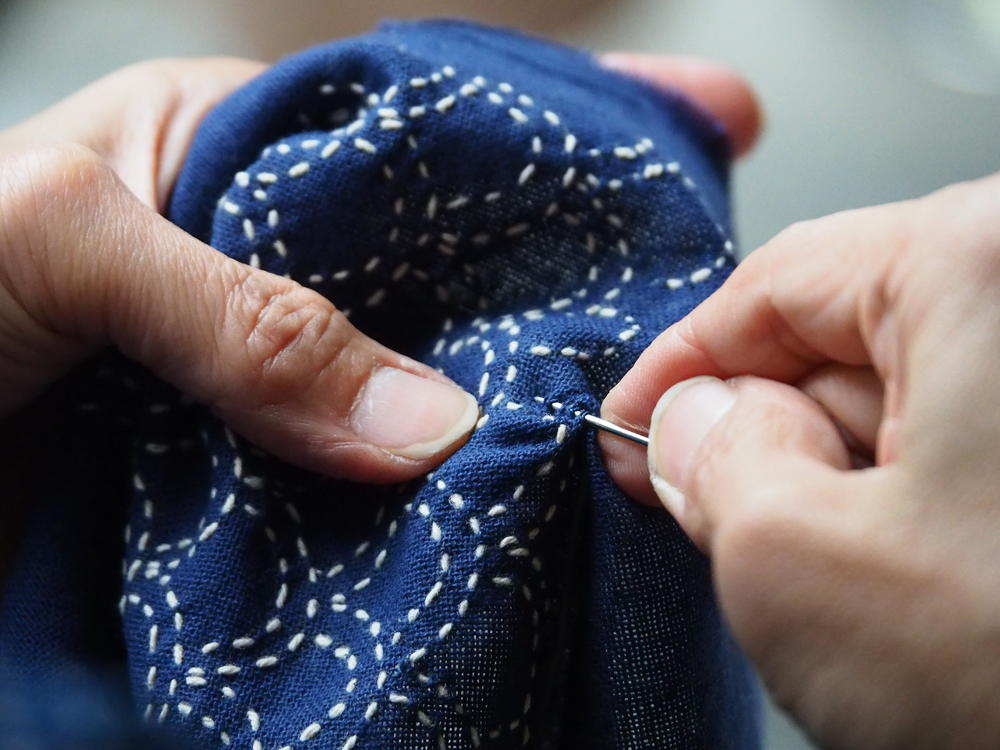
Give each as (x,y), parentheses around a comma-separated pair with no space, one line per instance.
(813,295)
(140,119)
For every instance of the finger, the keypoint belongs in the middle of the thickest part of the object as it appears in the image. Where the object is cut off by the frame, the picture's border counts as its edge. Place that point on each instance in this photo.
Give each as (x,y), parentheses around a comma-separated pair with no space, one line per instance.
(274,359)
(720,450)
(721,92)
(852,397)
(140,119)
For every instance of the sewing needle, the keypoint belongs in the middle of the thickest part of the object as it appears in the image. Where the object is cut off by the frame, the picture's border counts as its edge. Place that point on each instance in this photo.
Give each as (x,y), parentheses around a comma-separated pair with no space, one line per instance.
(603,424)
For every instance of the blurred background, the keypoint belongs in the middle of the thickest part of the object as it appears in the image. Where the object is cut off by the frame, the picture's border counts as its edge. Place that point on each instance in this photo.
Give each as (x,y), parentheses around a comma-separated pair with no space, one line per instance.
(866,101)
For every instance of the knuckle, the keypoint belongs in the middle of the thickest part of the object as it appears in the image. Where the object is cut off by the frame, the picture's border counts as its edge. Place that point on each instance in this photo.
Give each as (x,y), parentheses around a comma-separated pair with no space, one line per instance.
(812,238)
(167,83)
(766,271)
(965,193)
(795,237)
(149,92)
(45,191)
(292,336)
(50,201)
(173,70)
(51,175)
(153,75)
(972,232)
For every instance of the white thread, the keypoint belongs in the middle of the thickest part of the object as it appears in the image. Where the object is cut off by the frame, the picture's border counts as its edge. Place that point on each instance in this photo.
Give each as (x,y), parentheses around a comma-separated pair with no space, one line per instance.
(432,594)
(700,275)
(330,149)
(364,145)
(309,732)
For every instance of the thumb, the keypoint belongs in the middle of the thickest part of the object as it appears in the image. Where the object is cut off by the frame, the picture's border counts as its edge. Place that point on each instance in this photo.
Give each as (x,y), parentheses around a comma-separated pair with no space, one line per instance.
(722,450)
(275,360)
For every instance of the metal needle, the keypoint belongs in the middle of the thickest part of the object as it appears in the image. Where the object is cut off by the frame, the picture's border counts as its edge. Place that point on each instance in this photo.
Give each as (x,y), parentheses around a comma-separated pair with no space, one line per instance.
(603,424)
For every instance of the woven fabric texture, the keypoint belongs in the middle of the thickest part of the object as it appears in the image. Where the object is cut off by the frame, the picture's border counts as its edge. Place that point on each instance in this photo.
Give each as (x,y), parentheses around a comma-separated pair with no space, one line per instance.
(504,210)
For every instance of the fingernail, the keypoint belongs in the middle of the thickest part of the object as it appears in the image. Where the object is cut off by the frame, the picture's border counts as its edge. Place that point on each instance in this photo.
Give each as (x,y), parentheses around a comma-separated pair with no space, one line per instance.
(680,421)
(411,416)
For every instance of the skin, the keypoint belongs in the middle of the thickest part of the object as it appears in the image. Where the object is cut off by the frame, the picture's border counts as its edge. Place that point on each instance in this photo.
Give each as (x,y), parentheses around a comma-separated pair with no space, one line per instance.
(869,599)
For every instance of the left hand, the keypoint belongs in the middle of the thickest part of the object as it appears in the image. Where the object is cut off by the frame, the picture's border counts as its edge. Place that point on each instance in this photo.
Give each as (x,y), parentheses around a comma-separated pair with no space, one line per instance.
(87,262)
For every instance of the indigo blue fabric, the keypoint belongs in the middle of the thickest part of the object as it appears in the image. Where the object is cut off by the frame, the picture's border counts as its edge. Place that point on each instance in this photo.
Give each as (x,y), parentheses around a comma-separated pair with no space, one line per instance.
(502,209)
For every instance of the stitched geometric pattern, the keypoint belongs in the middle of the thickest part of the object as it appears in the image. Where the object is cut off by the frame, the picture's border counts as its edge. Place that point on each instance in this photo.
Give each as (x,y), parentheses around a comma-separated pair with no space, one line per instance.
(526,222)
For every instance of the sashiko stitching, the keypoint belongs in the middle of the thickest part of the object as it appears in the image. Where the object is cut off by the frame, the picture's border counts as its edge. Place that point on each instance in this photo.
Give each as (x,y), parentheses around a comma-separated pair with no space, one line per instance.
(510,213)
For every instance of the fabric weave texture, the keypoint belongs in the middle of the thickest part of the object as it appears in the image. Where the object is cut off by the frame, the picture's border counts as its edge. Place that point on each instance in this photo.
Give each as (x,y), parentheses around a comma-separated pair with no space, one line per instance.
(509,212)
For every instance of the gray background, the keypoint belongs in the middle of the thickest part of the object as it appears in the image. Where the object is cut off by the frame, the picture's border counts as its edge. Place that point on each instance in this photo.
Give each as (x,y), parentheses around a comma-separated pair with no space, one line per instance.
(866,101)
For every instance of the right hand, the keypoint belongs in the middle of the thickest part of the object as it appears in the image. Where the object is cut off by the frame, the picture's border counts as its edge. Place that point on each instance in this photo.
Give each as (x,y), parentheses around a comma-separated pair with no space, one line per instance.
(869,599)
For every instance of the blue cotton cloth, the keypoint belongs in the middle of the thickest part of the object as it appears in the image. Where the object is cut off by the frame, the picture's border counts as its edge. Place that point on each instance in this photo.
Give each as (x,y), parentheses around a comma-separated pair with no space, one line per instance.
(500,208)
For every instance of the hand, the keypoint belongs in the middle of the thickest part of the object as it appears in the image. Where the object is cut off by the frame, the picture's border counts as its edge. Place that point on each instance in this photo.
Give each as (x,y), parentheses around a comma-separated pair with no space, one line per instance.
(87,262)
(869,599)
